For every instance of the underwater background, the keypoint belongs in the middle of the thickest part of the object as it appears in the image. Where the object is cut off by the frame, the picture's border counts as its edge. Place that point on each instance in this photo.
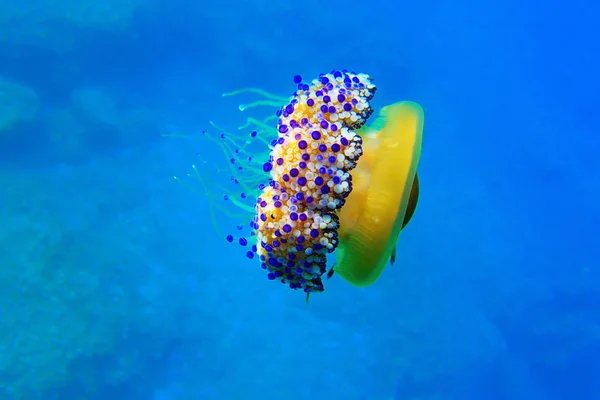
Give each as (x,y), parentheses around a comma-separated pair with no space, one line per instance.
(116,284)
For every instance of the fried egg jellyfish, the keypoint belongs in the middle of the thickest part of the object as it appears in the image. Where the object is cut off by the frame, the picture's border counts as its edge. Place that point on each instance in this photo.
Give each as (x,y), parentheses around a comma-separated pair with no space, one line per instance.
(326,182)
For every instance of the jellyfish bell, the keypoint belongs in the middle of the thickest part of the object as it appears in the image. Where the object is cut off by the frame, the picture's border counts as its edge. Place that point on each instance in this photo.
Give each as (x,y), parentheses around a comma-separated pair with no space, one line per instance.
(385,190)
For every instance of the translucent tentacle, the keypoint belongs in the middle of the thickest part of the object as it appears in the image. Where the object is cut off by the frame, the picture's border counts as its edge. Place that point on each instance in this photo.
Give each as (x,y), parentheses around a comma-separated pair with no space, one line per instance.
(246,154)
(272,100)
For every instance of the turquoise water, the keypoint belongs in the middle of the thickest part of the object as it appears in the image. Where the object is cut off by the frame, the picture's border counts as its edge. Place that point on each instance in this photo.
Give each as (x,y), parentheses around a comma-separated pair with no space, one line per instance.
(117,285)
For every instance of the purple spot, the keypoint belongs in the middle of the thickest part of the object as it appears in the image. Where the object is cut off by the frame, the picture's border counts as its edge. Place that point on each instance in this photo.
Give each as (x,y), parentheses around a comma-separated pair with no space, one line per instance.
(302,144)
(283,128)
(314,233)
(294,172)
(267,167)
(341,98)
(344,141)
(325,189)
(335,147)
(302,181)
(280,161)
(297,79)
(319,181)
(324,124)
(310,102)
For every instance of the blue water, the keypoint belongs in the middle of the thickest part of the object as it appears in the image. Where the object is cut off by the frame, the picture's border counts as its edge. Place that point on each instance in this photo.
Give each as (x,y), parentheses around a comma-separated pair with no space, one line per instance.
(116,284)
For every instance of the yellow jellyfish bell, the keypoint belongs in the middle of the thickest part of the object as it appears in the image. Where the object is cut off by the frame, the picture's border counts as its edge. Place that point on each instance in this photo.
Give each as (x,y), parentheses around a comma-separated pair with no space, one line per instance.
(384,193)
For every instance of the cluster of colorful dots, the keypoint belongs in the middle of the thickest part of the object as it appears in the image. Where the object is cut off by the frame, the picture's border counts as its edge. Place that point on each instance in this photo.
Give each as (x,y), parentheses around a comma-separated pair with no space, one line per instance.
(296,219)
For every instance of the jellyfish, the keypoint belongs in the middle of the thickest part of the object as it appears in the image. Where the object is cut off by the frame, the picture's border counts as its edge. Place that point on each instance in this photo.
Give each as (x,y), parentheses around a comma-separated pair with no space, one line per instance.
(331,186)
